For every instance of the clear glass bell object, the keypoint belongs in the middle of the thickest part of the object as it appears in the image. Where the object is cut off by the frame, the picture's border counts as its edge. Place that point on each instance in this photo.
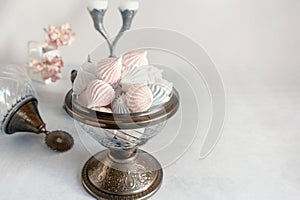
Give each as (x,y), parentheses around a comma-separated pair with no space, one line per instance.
(13,91)
(19,109)
(15,88)
(18,72)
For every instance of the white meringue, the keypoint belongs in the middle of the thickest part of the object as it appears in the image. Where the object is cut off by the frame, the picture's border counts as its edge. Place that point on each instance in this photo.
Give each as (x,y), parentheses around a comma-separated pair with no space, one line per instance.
(141,75)
(82,80)
(89,67)
(160,95)
(119,106)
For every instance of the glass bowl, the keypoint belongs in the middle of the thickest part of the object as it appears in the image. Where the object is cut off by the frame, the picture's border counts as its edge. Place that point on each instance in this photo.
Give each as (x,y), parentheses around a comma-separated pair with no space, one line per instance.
(121,131)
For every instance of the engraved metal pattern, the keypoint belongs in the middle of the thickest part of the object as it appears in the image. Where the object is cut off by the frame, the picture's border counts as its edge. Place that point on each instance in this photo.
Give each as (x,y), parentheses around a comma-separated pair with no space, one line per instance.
(105,178)
(114,181)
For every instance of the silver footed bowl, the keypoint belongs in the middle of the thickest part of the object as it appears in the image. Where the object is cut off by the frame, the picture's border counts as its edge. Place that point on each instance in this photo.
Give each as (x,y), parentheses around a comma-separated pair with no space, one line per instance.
(123,171)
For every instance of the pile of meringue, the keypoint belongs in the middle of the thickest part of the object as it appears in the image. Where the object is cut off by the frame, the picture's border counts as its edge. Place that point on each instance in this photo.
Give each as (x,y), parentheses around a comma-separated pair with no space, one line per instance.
(126,84)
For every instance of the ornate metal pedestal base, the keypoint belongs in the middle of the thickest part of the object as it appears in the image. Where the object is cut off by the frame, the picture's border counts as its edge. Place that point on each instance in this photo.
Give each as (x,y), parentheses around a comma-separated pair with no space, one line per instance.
(122,175)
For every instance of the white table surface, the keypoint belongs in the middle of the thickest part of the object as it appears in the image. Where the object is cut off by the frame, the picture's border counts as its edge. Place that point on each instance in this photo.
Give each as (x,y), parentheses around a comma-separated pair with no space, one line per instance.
(256,158)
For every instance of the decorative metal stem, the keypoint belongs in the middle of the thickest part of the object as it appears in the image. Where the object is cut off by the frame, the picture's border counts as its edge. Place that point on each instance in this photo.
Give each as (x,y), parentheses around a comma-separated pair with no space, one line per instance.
(98,16)
(127,16)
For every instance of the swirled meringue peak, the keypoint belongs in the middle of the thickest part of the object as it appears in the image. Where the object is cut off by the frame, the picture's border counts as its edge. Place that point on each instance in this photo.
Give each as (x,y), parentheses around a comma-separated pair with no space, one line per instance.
(141,75)
(135,58)
(160,94)
(99,94)
(89,67)
(119,105)
(139,98)
(166,85)
(110,70)
(82,80)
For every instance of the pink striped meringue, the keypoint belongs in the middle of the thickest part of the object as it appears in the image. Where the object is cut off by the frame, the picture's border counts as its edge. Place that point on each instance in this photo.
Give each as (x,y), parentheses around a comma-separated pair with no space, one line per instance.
(134,59)
(99,94)
(110,70)
(139,98)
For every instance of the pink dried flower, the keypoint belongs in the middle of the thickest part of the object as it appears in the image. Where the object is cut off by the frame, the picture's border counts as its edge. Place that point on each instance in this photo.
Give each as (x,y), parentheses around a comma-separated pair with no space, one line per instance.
(54,61)
(54,66)
(67,35)
(50,68)
(36,65)
(53,36)
(59,36)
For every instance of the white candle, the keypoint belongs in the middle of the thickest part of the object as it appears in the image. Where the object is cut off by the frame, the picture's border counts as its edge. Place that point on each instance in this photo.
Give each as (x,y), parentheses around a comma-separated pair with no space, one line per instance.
(129,5)
(97,4)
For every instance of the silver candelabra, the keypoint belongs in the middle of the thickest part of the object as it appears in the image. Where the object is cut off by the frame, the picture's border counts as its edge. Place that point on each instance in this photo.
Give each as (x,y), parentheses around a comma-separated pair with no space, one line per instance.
(98,16)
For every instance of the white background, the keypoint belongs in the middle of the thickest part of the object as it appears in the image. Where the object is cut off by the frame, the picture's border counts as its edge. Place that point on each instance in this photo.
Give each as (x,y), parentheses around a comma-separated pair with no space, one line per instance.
(256,46)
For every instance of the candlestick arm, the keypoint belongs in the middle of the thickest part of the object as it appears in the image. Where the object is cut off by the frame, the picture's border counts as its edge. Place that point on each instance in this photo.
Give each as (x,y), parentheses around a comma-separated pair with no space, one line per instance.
(98,16)
(127,17)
